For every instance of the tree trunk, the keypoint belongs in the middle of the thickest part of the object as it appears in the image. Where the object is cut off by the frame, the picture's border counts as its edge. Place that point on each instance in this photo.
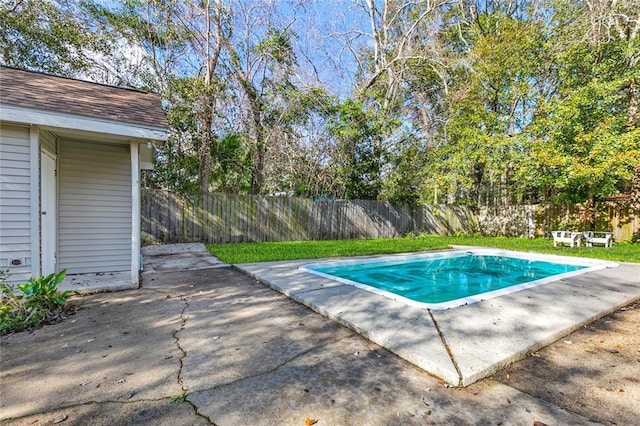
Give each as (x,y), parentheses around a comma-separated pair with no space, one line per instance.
(635,201)
(257,172)
(204,123)
(476,189)
(590,213)
(634,112)
(635,187)
(260,148)
(634,103)
(205,114)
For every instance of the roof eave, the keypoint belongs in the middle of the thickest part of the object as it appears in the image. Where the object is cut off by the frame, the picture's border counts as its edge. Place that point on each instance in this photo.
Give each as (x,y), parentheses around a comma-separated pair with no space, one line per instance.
(53,119)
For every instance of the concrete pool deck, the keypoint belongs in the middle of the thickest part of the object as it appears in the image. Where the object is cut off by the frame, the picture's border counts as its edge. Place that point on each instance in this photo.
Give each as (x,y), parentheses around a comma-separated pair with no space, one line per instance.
(465,344)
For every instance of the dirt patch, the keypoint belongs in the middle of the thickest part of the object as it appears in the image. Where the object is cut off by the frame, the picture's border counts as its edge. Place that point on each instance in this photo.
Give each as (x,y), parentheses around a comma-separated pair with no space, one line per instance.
(594,372)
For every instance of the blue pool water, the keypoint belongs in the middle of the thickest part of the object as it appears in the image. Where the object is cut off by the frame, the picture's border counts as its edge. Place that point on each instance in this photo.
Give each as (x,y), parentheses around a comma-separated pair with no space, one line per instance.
(448,279)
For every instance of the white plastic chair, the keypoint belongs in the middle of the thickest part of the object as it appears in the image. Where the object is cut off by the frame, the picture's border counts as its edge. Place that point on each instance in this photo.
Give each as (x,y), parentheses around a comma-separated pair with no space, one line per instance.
(566,237)
(598,237)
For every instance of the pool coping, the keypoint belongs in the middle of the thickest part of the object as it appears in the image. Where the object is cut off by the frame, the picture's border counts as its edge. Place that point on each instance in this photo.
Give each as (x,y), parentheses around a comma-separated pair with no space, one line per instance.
(465,344)
(588,264)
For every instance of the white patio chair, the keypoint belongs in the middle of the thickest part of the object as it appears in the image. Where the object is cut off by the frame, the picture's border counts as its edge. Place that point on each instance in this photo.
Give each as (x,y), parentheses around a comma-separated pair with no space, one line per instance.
(598,237)
(566,237)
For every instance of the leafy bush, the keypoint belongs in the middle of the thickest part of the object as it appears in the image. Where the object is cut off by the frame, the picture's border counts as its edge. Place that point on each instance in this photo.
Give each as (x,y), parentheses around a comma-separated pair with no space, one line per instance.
(33,303)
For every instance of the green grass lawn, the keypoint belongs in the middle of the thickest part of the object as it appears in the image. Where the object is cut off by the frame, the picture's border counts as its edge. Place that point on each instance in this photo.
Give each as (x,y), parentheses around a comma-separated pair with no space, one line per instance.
(235,253)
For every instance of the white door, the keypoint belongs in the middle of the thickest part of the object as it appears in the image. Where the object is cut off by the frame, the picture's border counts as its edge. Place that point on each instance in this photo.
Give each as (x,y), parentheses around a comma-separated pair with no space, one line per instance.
(48,213)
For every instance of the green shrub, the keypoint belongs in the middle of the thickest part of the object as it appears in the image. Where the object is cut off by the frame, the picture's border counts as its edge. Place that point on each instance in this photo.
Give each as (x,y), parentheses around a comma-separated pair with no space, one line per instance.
(33,303)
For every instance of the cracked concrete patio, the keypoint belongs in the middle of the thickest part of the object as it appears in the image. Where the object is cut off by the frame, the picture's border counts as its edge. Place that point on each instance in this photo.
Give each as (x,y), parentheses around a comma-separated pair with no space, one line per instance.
(213,346)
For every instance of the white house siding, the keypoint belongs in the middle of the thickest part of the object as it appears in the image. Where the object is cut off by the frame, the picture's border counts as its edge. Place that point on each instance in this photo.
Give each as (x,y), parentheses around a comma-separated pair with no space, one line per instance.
(94,207)
(15,193)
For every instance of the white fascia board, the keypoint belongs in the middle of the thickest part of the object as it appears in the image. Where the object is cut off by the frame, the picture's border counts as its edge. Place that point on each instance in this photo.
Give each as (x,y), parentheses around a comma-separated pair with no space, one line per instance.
(54,119)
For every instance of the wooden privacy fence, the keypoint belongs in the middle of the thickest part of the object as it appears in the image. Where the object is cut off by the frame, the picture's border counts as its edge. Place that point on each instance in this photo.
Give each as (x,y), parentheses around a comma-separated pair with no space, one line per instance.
(539,220)
(214,218)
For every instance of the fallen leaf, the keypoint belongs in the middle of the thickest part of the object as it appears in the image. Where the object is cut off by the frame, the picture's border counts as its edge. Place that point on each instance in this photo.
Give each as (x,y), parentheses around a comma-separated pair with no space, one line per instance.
(539,424)
(310,422)
(508,401)
(168,296)
(60,419)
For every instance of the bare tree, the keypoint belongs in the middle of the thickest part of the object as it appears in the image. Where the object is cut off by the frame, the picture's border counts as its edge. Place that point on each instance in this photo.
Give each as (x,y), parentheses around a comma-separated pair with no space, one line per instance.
(259,56)
(400,32)
(178,39)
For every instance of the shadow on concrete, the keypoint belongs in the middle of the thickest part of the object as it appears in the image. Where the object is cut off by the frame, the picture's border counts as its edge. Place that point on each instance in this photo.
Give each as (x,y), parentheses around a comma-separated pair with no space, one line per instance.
(242,353)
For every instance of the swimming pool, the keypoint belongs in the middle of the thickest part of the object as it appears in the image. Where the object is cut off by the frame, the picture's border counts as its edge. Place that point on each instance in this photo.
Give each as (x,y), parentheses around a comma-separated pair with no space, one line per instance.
(444,280)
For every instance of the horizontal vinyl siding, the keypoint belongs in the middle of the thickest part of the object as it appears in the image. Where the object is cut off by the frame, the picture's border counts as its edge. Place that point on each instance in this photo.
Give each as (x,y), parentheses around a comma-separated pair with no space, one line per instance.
(94,207)
(15,201)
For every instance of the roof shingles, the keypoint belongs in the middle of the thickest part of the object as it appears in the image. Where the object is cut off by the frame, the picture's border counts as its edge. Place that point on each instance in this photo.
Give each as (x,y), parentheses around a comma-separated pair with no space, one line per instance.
(65,95)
